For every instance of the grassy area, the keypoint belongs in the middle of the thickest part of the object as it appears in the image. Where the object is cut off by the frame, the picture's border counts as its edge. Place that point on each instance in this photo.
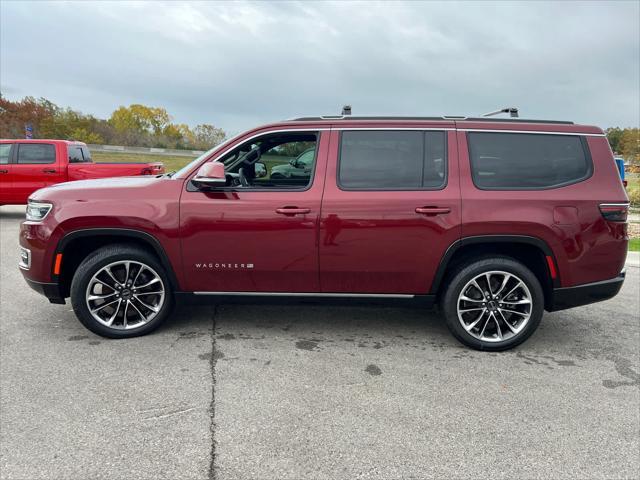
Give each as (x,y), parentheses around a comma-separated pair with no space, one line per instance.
(633,189)
(170,163)
(634,245)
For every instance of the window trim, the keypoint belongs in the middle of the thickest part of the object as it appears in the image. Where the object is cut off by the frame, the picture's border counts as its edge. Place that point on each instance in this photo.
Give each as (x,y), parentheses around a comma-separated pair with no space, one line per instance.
(395,189)
(192,188)
(18,145)
(585,149)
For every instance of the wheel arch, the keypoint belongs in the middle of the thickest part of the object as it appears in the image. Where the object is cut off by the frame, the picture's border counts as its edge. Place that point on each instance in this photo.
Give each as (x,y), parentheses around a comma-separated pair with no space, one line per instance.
(533,252)
(77,245)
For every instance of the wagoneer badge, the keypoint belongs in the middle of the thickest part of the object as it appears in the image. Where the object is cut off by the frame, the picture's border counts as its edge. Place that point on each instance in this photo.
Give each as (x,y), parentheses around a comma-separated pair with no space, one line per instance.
(226,266)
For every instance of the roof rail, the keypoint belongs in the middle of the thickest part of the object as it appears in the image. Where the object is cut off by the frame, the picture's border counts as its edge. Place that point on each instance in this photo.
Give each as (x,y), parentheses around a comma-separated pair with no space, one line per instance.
(441,118)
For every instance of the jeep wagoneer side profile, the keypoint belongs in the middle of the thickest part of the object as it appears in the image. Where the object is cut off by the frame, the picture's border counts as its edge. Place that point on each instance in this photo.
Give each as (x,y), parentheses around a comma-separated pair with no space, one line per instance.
(493,220)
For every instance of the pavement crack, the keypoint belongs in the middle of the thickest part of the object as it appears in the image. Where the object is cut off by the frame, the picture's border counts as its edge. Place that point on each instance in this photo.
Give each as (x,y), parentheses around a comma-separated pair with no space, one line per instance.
(212,407)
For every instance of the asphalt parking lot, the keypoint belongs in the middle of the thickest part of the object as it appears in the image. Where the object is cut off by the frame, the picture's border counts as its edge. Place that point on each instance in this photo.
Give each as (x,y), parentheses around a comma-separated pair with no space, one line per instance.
(239,391)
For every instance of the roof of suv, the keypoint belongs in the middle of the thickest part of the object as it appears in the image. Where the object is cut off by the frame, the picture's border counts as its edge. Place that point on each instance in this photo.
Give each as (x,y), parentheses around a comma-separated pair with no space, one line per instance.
(451,122)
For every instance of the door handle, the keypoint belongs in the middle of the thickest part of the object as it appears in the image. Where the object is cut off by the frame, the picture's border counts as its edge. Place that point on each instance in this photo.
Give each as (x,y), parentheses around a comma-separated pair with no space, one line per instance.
(433,210)
(49,170)
(4,171)
(292,211)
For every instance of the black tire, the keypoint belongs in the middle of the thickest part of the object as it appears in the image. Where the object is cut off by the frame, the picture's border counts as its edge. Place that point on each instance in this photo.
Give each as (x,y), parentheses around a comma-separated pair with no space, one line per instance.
(460,278)
(98,260)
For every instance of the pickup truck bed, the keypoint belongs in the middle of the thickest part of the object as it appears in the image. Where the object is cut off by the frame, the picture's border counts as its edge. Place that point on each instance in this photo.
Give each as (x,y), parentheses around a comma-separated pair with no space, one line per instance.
(28,165)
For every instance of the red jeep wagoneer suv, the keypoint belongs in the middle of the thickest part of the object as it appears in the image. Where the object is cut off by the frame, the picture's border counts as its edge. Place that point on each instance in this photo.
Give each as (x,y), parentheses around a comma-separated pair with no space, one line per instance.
(495,220)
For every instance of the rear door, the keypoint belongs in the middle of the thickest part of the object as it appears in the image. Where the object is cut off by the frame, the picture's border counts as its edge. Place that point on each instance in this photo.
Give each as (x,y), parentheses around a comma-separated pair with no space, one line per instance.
(6,169)
(390,209)
(36,165)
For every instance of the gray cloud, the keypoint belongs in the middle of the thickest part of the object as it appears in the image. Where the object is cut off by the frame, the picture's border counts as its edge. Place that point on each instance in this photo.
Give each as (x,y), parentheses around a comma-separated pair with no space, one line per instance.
(240,64)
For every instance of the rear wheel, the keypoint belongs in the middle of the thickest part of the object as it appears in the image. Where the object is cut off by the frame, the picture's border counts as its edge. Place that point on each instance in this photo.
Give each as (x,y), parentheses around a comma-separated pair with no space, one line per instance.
(493,304)
(121,291)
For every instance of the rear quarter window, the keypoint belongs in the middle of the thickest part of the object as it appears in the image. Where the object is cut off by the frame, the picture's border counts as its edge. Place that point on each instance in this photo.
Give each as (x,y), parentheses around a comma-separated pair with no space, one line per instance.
(527,161)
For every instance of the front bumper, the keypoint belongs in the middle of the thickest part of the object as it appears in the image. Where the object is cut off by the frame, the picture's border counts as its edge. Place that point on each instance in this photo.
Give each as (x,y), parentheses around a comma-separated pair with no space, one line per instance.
(50,290)
(570,297)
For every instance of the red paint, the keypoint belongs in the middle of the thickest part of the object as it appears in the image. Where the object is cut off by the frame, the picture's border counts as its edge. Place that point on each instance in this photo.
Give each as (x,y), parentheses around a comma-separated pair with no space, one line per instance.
(18,181)
(324,239)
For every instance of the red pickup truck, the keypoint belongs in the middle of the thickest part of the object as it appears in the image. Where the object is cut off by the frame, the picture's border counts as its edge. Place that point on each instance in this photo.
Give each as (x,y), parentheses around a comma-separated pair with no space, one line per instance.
(27,165)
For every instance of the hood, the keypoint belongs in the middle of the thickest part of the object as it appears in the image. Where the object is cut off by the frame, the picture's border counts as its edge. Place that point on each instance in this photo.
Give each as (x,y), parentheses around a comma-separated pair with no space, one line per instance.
(116,188)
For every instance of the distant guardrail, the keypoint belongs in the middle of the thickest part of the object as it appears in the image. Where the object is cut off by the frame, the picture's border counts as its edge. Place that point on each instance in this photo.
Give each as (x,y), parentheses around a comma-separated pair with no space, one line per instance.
(144,150)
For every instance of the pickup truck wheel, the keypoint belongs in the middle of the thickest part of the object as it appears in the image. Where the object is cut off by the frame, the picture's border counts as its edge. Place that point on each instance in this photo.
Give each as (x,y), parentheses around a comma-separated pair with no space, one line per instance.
(121,291)
(493,304)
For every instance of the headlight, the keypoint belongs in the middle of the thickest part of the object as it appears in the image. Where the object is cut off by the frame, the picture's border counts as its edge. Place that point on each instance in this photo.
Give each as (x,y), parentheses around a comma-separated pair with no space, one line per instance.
(37,211)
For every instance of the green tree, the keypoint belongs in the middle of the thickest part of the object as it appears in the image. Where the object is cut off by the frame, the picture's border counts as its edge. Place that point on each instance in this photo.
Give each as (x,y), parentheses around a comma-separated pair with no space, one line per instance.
(140,118)
(208,136)
(614,135)
(630,145)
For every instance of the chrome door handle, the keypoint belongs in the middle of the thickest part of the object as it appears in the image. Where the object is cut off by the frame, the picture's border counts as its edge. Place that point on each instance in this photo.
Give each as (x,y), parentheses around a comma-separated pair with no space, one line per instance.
(292,211)
(433,210)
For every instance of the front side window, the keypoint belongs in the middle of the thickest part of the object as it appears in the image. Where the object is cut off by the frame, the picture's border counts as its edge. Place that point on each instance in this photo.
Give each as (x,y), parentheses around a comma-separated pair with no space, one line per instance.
(392,160)
(86,154)
(5,151)
(75,154)
(274,161)
(30,153)
(527,161)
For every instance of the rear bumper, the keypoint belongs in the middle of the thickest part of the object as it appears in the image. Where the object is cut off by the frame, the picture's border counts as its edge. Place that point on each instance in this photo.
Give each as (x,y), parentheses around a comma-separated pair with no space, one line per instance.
(49,290)
(569,297)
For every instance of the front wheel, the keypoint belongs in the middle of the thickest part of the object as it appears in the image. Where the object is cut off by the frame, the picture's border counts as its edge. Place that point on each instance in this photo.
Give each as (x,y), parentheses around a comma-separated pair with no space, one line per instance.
(121,291)
(493,304)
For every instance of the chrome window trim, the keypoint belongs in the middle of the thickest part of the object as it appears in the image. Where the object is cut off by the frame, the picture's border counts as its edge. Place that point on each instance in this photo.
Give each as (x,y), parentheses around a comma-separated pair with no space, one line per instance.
(296,294)
(539,132)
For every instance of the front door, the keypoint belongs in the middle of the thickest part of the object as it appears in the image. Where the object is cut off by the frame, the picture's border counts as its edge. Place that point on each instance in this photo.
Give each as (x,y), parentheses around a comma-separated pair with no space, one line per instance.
(390,210)
(259,233)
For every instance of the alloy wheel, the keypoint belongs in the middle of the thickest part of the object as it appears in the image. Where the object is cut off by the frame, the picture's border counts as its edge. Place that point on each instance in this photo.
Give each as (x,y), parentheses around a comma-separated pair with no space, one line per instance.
(494,306)
(125,294)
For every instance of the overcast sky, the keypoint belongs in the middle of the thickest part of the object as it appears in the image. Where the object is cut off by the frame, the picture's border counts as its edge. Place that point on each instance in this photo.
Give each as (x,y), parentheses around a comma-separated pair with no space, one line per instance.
(237,65)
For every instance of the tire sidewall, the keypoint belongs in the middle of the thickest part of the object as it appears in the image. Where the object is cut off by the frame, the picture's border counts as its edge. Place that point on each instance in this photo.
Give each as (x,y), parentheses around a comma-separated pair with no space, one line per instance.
(464,275)
(99,260)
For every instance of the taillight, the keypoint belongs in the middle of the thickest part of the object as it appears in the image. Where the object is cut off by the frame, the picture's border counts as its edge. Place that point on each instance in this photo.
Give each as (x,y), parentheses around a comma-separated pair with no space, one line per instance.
(614,212)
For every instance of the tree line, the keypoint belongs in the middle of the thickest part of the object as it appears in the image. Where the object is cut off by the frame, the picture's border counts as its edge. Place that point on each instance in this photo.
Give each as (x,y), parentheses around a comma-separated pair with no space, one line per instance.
(626,143)
(135,126)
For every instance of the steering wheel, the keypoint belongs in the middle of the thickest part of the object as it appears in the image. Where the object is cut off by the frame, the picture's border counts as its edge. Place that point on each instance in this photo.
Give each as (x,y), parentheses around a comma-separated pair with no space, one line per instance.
(243,178)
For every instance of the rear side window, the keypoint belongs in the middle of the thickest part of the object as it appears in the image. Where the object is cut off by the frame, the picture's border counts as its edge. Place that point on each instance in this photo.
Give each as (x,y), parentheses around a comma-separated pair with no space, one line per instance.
(392,160)
(526,161)
(36,153)
(5,150)
(75,154)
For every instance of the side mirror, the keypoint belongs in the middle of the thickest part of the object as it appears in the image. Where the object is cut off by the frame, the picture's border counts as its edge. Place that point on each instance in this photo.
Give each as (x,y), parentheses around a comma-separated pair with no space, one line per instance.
(292,162)
(211,174)
(261,170)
